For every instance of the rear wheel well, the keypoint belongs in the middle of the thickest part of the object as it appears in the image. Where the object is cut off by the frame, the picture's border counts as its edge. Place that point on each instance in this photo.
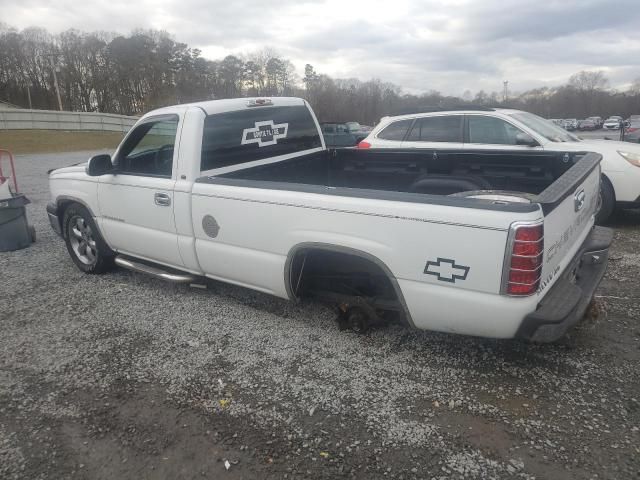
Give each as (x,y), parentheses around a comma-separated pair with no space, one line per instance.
(343,276)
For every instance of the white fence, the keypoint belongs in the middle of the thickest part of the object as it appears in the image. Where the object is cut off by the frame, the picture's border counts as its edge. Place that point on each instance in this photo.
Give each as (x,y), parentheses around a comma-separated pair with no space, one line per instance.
(19,119)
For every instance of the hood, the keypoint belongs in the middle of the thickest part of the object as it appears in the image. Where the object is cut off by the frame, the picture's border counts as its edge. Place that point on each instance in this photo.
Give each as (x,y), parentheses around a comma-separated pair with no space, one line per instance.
(75,168)
(611,159)
(611,145)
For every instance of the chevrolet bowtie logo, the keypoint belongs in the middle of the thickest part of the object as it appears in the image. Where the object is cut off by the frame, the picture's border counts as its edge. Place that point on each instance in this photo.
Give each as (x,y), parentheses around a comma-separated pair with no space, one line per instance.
(578,200)
(446,270)
(264,133)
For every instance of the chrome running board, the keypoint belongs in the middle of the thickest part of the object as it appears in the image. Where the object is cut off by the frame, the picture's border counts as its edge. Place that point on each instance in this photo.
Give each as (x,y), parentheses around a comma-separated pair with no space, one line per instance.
(157,272)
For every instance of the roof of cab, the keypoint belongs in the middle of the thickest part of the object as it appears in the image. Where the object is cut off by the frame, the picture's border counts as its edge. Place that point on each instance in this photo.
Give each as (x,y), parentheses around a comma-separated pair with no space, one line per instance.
(212,107)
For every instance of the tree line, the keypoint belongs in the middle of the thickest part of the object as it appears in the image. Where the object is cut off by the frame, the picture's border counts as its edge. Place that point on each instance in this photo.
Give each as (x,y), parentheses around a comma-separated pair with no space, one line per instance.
(130,75)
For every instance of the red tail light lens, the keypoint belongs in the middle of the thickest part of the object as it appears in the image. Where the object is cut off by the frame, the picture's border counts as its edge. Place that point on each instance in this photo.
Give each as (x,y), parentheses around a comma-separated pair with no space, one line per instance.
(526,248)
(523,261)
(529,234)
(364,144)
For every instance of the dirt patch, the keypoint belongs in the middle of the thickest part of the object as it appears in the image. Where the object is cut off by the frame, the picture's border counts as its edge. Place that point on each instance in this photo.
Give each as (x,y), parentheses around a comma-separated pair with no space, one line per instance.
(46,141)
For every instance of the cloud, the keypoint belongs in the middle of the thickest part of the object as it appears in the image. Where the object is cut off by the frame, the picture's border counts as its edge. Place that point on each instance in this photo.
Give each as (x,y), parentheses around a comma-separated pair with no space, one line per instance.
(421,45)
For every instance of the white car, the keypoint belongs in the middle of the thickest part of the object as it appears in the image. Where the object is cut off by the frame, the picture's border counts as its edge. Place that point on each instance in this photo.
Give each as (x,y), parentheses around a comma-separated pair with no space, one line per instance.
(612,123)
(244,191)
(498,129)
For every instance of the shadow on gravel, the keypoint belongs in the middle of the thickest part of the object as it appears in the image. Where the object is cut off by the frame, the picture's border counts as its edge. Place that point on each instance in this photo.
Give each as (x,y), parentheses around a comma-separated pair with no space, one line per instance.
(627,218)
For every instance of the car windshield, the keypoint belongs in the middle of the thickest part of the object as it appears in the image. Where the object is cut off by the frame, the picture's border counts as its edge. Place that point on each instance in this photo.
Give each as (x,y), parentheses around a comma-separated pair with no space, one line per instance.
(353,125)
(546,128)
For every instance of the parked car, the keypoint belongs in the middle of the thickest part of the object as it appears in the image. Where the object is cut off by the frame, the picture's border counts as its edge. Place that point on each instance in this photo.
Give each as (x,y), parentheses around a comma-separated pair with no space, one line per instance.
(632,132)
(452,131)
(556,121)
(337,135)
(570,124)
(357,130)
(244,191)
(597,120)
(612,123)
(587,125)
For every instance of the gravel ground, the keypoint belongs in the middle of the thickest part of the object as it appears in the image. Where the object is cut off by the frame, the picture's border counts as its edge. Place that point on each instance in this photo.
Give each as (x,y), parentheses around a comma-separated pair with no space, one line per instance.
(122,376)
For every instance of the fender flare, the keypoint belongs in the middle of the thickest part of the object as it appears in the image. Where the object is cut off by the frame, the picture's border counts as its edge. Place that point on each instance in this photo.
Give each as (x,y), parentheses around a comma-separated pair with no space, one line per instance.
(66,199)
(347,251)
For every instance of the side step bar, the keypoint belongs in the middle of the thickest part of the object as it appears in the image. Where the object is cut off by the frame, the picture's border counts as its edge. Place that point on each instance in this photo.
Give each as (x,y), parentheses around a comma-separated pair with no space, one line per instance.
(155,271)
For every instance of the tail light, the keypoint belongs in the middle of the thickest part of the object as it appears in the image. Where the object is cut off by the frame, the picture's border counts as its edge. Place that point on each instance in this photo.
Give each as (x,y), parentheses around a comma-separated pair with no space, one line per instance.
(364,144)
(523,259)
(631,130)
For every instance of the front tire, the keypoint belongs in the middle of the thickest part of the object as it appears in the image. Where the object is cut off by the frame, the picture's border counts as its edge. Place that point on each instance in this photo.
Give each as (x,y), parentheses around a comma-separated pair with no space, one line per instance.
(84,243)
(608,201)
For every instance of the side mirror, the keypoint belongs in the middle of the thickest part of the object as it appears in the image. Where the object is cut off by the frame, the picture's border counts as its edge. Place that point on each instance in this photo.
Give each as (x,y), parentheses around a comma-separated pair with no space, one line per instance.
(525,139)
(100,165)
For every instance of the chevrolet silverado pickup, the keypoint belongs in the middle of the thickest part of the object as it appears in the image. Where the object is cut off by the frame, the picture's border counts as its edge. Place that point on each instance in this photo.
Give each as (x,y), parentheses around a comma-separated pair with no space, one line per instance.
(489,243)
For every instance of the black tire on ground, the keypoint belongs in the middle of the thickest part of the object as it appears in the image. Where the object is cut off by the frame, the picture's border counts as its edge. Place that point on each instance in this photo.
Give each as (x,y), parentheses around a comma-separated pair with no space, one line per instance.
(85,245)
(608,199)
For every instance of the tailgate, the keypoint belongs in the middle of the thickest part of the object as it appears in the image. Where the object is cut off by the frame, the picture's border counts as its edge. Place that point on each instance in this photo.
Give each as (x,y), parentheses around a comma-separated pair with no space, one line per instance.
(569,206)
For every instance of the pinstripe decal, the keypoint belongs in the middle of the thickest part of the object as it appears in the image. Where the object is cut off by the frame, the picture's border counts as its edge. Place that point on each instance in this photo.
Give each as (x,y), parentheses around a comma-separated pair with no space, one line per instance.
(354,212)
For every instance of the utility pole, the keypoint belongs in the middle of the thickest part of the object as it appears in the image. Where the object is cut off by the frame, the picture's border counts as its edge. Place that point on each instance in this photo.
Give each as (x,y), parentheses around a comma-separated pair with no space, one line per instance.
(55,79)
(505,91)
(29,97)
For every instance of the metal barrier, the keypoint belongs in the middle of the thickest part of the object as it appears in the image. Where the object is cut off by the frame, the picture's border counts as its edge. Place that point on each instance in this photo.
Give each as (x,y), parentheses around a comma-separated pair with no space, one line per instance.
(23,119)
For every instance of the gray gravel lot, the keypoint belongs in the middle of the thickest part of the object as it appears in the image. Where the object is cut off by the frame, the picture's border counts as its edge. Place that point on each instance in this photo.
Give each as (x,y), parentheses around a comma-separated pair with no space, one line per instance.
(122,376)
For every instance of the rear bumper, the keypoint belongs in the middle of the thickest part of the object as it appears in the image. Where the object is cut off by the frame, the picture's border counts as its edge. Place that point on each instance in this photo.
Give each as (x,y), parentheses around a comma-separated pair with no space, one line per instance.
(568,300)
(54,221)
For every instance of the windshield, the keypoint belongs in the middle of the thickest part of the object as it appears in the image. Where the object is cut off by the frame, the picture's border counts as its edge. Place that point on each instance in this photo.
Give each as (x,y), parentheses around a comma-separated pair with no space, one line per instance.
(546,128)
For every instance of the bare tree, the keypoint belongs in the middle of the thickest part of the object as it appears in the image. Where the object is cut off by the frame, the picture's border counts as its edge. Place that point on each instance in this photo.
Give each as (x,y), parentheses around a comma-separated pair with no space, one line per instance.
(132,74)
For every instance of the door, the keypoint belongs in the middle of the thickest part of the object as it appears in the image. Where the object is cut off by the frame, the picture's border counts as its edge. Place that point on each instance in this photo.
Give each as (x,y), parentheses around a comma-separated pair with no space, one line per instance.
(437,133)
(493,151)
(136,203)
(439,137)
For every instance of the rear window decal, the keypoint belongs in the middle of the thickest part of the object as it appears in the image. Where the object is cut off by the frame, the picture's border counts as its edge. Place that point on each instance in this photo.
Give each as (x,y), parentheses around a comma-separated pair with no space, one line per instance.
(264,133)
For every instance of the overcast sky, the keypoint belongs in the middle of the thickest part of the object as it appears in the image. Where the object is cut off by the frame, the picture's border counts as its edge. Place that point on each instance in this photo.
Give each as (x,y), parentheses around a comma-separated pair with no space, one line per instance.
(449,46)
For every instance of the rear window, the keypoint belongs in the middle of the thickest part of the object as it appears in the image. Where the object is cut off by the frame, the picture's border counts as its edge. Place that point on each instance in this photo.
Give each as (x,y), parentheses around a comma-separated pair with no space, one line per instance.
(395,130)
(256,133)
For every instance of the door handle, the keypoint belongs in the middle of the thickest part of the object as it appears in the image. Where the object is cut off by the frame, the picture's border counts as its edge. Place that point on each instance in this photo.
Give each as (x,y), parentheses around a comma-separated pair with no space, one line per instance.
(162,199)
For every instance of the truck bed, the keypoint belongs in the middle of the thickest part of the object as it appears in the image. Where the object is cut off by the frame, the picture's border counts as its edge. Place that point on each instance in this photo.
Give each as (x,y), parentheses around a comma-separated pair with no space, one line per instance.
(418,176)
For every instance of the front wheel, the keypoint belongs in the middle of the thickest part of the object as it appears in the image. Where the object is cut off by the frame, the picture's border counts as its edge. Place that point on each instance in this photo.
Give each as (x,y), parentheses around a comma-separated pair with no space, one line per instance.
(607,201)
(84,243)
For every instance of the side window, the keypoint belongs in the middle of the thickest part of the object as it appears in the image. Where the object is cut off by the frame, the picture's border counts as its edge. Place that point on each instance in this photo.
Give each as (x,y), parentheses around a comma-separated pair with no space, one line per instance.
(148,150)
(491,130)
(257,133)
(442,128)
(396,130)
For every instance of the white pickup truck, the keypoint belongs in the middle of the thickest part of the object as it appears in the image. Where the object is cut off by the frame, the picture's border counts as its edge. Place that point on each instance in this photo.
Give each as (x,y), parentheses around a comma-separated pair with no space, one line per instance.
(244,191)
